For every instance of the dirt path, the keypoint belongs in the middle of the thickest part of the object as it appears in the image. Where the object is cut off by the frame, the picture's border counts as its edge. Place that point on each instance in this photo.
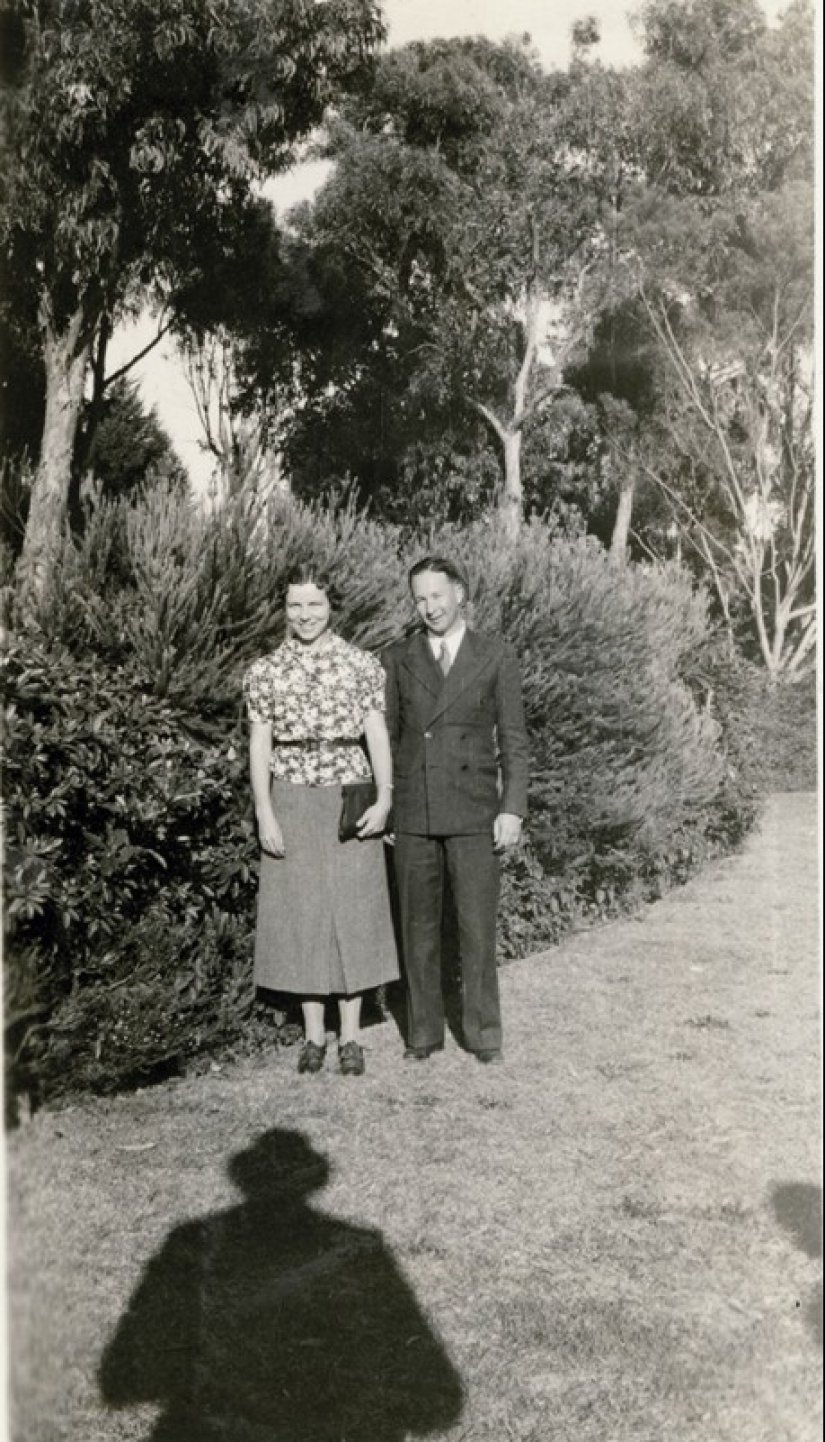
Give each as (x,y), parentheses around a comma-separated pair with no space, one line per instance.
(614,1236)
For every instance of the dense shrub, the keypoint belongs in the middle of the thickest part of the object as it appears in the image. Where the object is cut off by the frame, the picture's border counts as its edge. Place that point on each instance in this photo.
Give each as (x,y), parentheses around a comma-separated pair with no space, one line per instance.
(129,869)
(788,735)
(636,772)
(131,854)
(778,723)
(619,746)
(187,597)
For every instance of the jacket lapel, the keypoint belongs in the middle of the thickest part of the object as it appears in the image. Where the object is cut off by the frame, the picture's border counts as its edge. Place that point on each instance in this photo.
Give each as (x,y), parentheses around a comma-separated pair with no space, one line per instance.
(420,661)
(470,661)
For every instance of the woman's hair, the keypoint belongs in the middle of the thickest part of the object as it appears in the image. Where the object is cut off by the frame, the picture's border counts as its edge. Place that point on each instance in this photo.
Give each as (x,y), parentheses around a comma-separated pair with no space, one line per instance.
(309,573)
(445,567)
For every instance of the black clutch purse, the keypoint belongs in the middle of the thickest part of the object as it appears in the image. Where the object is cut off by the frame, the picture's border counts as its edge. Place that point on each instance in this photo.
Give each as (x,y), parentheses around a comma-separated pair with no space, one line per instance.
(356,797)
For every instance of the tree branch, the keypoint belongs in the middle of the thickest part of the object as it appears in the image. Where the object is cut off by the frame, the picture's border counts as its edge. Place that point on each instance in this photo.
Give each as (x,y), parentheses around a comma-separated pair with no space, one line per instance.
(490,417)
(136,359)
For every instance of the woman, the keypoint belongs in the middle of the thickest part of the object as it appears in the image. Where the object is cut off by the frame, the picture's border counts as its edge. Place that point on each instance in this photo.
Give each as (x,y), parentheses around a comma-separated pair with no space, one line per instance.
(316,711)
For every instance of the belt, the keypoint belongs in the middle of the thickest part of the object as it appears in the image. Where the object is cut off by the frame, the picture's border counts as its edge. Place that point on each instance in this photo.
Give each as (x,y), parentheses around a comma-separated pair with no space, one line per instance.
(310,743)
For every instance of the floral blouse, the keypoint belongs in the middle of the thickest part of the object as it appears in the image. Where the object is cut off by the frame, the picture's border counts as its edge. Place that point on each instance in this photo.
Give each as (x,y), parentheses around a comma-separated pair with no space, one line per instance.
(321,695)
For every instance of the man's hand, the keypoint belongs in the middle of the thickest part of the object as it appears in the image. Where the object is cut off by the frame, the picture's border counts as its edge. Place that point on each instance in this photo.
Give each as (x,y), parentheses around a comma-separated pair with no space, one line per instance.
(506,831)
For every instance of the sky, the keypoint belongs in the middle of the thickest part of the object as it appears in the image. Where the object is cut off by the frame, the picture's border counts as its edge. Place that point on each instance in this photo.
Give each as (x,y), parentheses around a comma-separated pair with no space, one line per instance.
(547,22)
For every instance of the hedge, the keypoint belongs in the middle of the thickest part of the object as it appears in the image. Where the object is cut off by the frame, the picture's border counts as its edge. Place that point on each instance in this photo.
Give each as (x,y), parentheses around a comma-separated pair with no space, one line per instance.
(131,854)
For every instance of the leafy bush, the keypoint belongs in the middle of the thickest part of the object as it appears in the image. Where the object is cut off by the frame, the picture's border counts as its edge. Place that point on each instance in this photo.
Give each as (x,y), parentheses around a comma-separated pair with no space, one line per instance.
(788,734)
(130,859)
(620,747)
(131,853)
(775,727)
(187,597)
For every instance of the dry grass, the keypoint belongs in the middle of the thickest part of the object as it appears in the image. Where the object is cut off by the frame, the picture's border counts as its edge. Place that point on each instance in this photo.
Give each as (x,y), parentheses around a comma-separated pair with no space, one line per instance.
(613,1236)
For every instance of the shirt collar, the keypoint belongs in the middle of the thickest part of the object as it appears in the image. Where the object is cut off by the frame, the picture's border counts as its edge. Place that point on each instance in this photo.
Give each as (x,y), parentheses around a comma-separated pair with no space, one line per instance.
(452,642)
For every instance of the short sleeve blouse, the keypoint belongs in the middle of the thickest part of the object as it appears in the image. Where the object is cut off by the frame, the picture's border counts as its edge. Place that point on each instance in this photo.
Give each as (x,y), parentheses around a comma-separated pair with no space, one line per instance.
(321,695)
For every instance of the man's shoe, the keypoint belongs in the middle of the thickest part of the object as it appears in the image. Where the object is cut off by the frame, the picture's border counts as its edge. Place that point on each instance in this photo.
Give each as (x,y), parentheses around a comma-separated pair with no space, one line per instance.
(490,1056)
(312,1057)
(420,1053)
(351,1059)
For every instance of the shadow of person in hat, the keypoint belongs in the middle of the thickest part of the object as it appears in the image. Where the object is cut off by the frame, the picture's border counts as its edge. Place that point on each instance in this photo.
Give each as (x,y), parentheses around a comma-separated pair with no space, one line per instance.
(271,1322)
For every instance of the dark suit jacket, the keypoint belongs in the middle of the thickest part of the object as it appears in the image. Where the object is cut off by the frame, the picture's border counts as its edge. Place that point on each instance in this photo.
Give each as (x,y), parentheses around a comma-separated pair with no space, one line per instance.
(459,743)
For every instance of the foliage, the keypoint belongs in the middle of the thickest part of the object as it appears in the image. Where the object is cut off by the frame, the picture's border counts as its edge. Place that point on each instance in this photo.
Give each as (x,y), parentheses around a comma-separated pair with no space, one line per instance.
(15,489)
(22,376)
(479,248)
(130,845)
(725,103)
(589,277)
(465,222)
(701,366)
(131,129)
(730,445)
(771,727)
(243,323)
(134,140)
(129,857)
(130,445)
(121,449)
(787,734)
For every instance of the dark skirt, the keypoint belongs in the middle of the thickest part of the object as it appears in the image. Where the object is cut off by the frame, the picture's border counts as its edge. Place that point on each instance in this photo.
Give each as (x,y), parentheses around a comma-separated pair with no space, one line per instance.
(324,924)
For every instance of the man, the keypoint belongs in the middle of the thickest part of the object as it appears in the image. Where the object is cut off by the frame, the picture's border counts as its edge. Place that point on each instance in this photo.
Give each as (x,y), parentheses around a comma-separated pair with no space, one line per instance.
(456,724)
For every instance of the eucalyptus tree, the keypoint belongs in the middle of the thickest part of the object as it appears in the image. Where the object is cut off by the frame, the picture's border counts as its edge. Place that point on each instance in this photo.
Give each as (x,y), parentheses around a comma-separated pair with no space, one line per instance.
(731,446)
(719,254)
(135,134)
(468,222)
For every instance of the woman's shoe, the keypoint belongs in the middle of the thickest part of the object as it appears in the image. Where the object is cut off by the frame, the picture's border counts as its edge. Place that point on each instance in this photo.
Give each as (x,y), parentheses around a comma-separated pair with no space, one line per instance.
(312,1057)
(351,1059)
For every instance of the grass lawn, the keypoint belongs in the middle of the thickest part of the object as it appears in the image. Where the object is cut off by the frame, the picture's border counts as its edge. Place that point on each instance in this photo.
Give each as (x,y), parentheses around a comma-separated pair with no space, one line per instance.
(614,1235)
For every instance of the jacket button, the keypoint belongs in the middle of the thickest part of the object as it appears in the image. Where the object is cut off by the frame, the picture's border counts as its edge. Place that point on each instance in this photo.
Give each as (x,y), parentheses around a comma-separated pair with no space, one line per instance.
(428,735)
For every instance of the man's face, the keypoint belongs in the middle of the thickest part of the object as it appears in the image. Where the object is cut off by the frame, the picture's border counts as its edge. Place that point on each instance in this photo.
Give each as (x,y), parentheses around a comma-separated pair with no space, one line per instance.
(437,600)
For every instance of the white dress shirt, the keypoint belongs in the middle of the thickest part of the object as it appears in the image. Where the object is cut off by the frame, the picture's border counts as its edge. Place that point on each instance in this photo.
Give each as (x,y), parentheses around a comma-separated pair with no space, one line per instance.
(452,642)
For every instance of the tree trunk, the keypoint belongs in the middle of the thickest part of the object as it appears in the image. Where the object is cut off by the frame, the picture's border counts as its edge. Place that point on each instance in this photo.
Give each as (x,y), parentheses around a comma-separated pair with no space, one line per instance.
(621,525)
(86,433)
(66,362)
(511,501)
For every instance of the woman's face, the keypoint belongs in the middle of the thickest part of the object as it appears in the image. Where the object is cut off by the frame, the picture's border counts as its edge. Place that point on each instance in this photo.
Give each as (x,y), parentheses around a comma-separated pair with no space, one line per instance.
(307,612)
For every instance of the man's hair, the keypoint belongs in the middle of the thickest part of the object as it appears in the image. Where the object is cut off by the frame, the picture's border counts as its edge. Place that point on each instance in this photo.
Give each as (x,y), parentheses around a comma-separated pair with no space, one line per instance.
(308,573)
(445,567)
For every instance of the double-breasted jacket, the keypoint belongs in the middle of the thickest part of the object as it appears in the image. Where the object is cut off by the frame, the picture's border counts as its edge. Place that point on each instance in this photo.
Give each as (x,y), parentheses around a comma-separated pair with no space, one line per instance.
(460,752)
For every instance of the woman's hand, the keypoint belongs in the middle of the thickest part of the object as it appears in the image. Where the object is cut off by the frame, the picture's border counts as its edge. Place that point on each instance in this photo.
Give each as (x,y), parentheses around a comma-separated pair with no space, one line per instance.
(374,819)
(270,835)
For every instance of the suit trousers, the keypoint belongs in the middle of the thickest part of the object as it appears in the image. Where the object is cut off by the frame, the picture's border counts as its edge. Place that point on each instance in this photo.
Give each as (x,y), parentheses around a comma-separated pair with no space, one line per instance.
(475,873)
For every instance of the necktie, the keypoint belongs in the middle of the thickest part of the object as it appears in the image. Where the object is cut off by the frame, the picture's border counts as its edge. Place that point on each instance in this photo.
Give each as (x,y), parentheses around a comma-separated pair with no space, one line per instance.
(444,657)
